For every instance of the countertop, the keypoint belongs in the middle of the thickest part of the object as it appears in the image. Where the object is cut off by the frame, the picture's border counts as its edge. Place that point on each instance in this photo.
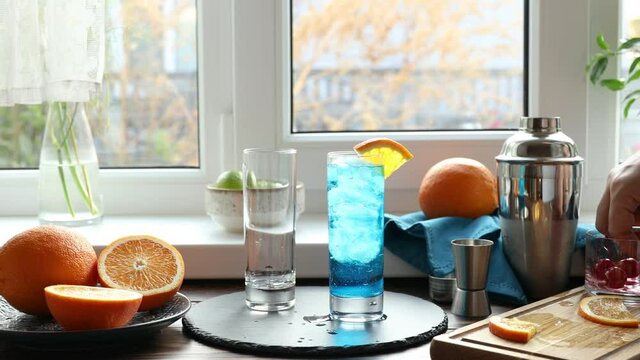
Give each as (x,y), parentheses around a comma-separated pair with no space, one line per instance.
(171,343)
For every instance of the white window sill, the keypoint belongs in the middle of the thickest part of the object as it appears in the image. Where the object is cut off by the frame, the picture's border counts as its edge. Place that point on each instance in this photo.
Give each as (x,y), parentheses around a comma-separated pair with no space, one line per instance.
(212,253)
(208,250)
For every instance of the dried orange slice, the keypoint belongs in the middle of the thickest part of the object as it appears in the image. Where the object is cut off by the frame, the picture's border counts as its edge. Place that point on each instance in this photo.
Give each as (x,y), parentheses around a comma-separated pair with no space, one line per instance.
(145,264)
(78,307)
(512,329)
(607,310)
(393,154)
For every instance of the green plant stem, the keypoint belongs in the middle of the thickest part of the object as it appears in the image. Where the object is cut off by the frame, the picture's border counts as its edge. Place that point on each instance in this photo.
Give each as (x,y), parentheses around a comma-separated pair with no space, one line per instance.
(83,186)
(64,185)
(85,190)
(55,142)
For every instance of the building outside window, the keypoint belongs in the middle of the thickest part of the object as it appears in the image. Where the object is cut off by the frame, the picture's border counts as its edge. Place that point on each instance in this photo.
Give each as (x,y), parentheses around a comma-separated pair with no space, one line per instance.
(403,66)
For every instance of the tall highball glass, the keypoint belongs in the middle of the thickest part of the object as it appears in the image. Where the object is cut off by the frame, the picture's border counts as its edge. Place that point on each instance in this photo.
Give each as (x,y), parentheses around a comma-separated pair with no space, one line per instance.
(269,193)
(355,193)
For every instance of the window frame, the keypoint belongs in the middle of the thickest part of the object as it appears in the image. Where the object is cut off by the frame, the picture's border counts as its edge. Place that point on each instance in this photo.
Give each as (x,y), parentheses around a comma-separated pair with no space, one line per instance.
(243,102)
(558,52)
(163,190)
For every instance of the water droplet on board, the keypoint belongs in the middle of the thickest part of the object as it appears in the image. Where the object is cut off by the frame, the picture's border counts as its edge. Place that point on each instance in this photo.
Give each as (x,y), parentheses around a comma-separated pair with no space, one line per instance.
(332,332)
(321,324)
(315,319)
(566,303)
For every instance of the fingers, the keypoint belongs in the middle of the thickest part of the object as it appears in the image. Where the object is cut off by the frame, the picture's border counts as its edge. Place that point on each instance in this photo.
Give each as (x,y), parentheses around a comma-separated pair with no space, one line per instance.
(623,205)
(621,220)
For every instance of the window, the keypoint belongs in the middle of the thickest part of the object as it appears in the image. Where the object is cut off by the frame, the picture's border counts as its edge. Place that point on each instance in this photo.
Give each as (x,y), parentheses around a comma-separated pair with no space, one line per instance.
(244,75)
(151,85)
(398,65)
(158,139)
(147,115)
(558,50)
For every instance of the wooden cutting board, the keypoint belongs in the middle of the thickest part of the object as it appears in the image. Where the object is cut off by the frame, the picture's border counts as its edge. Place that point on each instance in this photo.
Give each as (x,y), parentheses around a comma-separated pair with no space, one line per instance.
(563,334)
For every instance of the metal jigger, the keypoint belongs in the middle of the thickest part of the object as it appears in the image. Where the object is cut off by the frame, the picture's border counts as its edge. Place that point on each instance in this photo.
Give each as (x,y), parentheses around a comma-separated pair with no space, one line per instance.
(472,263)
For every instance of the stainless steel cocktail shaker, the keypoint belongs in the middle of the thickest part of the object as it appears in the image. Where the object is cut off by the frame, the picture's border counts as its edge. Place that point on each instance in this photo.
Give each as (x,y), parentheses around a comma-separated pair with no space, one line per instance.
(539,183)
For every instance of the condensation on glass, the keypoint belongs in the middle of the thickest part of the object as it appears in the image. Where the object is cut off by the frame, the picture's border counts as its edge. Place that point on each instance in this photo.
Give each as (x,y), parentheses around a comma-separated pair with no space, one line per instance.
(376,65)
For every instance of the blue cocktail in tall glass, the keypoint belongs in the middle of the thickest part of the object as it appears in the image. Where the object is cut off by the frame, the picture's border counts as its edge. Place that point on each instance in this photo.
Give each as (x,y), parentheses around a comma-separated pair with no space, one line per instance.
(355,193)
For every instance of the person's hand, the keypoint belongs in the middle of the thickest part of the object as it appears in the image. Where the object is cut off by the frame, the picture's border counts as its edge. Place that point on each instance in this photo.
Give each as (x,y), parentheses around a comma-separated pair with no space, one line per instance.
(619,207)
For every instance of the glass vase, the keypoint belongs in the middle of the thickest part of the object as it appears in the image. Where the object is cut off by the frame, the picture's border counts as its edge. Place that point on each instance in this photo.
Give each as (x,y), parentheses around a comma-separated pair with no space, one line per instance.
(69,190)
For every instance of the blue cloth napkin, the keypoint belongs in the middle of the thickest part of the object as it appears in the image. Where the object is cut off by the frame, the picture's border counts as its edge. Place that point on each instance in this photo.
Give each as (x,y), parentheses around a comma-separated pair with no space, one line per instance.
(426,245)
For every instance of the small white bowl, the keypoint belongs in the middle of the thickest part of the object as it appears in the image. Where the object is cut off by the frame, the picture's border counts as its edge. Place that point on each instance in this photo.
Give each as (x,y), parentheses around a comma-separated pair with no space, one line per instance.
(225,206)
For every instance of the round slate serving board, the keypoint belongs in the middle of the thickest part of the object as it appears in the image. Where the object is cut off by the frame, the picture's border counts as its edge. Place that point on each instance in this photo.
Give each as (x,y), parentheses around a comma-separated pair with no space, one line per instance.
(225,321)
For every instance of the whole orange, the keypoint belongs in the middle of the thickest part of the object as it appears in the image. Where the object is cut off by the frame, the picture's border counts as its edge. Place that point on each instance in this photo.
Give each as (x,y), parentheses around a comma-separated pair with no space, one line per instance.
(458,187)
(42,256)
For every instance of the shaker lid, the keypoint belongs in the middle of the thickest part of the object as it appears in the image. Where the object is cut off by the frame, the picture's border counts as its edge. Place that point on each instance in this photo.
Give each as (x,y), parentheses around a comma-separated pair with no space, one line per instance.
(539,139)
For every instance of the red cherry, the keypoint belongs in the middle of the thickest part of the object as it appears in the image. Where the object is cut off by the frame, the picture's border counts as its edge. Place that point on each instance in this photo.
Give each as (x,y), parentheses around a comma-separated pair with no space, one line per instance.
(616,277)
(630,266)
(601,267)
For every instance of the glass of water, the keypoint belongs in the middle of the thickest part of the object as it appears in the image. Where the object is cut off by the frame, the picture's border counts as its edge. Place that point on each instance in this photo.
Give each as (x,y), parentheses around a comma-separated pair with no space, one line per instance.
(355,194)
(269,196)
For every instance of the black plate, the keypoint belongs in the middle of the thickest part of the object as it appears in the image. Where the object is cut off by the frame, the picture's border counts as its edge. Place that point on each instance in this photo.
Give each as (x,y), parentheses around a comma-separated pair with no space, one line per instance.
(20,328)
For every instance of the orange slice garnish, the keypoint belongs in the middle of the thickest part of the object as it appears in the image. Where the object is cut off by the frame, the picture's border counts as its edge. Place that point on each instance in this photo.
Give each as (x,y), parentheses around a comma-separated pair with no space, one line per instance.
(512,329)
(607,310)
(77,307)
(145,264)
(393,154)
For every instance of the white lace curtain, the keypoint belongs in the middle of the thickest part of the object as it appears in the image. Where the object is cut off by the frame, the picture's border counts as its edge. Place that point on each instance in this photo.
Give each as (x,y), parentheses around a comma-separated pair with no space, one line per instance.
(50,50)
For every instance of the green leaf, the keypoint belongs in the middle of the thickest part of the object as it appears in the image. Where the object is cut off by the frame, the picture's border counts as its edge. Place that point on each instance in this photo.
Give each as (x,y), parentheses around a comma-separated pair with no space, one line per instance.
(601,42)
(598,68)
(587,67)
(632,94)
(629,43)
(628,106)
(635,76)
(613,84)
(634,64)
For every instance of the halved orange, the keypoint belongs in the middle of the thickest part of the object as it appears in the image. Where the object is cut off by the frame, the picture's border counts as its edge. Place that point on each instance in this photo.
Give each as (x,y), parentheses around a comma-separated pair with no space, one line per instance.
(78,307)
(512,329)
(607,310)
(393,154)
(145,264)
